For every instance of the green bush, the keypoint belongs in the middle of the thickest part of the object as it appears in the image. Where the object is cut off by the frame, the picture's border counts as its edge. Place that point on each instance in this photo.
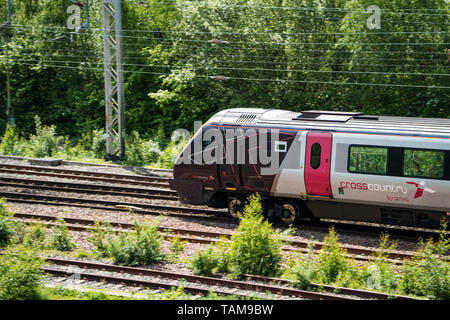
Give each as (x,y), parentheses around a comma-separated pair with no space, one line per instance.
(177,246)
(171,153)
(381,275)
(10,141)
(99,234)
(10,231)
(205,262)
(35,237)
(139,247)
(332,258)
(5,229)
(329,266)
(305,269)
(428,273)
(255,248)
(45,142)
(61,239)
(140,152)
(20,273)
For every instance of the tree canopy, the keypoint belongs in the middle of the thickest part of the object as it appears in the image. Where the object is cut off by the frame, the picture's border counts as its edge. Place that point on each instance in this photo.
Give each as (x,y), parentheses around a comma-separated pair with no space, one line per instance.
(186,60)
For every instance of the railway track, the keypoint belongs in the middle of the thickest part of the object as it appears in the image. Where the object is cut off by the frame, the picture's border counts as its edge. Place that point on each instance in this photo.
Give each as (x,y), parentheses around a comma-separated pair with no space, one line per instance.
(155,181)
(257,284)
(69,187)
(162,194)
(145,171)
(175,211)
(208,237)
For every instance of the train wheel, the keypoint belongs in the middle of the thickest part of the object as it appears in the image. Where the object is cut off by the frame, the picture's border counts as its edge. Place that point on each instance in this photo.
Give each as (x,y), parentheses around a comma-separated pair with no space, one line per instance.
(289,213)
(235,205)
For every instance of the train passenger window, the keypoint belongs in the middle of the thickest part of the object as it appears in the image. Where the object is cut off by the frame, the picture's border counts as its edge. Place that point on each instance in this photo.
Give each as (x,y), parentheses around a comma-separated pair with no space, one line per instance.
(316,153)
(423,163)
(368,159)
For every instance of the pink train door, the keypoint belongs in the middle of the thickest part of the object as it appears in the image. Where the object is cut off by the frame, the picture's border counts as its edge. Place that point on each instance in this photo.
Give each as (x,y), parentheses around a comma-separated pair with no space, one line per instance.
(318,163)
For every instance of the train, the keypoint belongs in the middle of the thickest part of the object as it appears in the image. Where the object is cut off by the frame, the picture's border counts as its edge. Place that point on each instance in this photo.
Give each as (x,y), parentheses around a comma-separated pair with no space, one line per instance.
(320,164)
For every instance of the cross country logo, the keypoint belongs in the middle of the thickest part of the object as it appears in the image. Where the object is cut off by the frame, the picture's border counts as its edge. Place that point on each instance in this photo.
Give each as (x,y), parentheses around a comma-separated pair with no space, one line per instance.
(420,188)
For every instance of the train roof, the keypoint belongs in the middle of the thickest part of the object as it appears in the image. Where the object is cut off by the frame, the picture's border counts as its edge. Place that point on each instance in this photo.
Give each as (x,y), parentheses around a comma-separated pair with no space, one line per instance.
(335,121)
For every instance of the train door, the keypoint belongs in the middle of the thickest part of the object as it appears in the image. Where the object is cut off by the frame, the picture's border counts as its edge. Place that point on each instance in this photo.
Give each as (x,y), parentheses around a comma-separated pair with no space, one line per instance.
(318,164)
(230,171)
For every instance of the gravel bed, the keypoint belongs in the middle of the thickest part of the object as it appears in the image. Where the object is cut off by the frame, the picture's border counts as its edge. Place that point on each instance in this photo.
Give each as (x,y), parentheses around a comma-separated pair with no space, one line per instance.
(98,183)
(98,287)
(176,283)
(91,167)
(302,233)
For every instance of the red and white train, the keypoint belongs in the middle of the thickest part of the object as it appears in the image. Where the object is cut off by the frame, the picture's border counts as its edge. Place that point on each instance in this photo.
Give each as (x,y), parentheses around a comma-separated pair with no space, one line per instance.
(339,165)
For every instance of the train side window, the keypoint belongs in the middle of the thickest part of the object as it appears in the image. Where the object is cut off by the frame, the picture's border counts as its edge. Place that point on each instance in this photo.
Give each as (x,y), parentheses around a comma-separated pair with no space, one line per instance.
(367,159)
(423,163)
(316,153)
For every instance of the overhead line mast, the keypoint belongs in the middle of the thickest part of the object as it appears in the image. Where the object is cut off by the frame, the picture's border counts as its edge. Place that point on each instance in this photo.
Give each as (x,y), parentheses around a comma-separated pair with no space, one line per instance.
(9,110)
(114,81)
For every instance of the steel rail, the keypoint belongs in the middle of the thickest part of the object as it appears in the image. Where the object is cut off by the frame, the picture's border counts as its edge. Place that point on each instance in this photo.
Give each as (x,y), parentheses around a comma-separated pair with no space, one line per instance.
(365,294)
(84,175)
(235,284)
(208,237)
(342,226)
(89,188)
(17,196)
(105,165)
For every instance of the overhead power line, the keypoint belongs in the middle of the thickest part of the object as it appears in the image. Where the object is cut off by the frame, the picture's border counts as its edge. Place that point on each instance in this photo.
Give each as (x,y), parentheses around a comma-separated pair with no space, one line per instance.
(58,29)
(248,69)
(262,79)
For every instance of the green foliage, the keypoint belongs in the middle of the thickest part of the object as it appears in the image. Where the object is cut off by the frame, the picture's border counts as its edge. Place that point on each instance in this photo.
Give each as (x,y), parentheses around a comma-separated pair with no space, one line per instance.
(305,270)
(20,273)
(61,239)
(428,273)
(35,237)
(332,258)
(255,248)
(381,275)
(171,153)
(99,233)
(10,231)
(139,247)
(140,152)
(368,159)
(419,163)
(205,262)
(318,47)
(45,142)
(5,230)
(10,142)
(61,293)
(176,248)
